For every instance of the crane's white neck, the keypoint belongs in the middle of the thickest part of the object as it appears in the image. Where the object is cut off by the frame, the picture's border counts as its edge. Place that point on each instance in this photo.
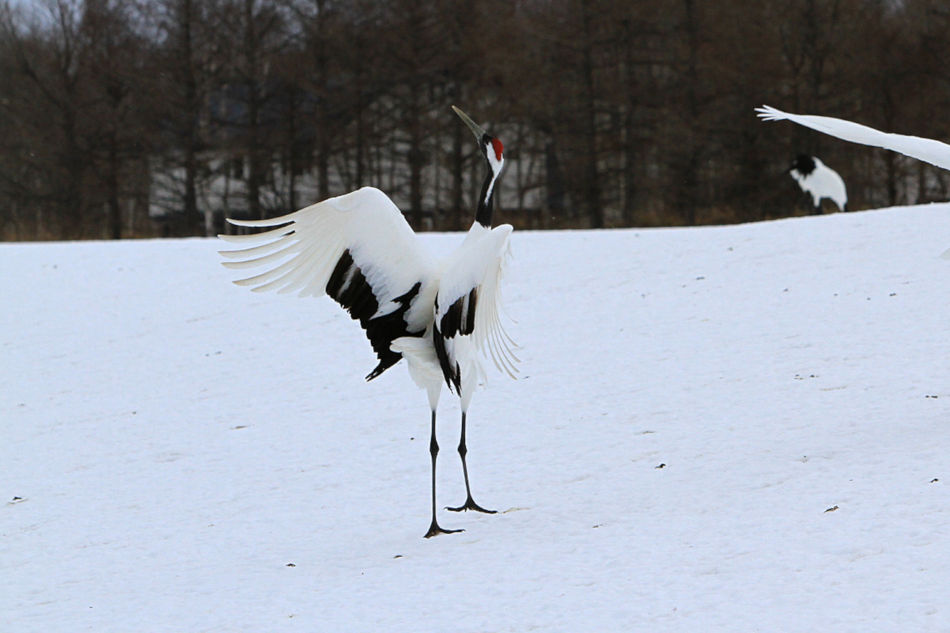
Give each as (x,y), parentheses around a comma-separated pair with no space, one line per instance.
(496,167)
(486,202)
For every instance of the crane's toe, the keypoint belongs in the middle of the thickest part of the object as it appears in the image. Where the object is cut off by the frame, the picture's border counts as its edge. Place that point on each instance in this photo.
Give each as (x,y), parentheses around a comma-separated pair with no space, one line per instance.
(435,529)
(470,505)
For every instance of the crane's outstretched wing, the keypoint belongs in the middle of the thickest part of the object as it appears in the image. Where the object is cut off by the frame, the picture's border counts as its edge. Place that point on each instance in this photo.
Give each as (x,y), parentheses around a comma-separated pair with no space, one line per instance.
(467,307)
(358,249)
(925,149)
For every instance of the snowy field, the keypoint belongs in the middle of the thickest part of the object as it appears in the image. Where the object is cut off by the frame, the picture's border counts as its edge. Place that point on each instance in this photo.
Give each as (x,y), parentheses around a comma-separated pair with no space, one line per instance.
(741,428)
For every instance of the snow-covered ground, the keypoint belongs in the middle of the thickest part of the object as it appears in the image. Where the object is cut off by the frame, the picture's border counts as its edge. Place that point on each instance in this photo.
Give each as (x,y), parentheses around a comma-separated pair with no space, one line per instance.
(741,428)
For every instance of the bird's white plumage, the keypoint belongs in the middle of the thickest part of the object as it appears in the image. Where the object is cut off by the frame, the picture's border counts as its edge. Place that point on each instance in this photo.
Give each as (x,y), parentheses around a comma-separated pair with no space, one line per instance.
(495,164)
(489,252)
(822,182)
(925,149)
(478,264)
(301,254)
(422,363)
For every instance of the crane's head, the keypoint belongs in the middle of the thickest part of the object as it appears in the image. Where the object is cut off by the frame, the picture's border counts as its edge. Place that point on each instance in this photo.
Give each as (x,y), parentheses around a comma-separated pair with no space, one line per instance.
(491,147)
(804,165)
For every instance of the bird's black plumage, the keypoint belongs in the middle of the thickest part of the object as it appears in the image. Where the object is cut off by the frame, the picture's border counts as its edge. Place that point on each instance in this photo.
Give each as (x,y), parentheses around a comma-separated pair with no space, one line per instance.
(804,164)
(458,320)
(460,317)
(348,287)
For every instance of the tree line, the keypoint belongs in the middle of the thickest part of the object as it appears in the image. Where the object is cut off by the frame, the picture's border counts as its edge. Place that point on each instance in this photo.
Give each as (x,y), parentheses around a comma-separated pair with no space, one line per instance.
(137,118)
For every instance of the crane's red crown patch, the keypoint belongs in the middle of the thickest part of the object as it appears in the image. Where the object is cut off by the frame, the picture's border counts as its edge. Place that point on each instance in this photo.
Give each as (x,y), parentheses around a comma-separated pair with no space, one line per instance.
(496,144)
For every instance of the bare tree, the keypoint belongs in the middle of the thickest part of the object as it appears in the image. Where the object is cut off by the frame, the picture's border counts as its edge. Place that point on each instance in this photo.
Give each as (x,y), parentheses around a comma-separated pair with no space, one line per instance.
(116,134)
(47,50)
(186,66)
(613,113)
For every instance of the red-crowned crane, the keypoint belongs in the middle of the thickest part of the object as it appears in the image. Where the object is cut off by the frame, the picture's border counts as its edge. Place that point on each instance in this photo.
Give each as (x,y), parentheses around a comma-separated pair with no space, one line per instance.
(819,180)
(441,316)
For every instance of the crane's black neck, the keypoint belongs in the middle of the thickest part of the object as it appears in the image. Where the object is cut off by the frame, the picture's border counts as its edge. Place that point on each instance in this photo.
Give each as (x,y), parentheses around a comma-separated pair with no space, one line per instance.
(486,201)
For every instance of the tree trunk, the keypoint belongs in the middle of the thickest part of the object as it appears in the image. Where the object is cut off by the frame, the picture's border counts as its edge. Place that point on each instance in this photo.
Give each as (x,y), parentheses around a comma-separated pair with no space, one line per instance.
(689,179)
(252,136)
(193,219)
(628,131)
(591,189)
(554,182)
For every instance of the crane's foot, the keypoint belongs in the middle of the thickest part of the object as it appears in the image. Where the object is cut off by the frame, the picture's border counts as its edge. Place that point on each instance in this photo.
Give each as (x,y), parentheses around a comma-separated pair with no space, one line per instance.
(471,505)
(435,529)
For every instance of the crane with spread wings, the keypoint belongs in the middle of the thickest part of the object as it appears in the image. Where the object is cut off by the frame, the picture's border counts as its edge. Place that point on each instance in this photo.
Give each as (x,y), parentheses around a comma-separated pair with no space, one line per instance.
(441,316)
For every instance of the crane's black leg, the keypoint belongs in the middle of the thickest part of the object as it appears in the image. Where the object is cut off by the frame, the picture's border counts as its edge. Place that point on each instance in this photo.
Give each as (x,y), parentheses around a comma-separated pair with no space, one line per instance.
(469,502)
(434,528)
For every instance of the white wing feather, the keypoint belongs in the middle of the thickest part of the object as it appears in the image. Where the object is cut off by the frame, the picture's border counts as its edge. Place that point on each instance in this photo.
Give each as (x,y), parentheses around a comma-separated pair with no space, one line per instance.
(925,149)
(480,263)
(300,254)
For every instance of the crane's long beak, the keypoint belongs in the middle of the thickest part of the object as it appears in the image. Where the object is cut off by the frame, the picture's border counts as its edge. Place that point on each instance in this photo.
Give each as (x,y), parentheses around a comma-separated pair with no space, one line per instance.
(472,125)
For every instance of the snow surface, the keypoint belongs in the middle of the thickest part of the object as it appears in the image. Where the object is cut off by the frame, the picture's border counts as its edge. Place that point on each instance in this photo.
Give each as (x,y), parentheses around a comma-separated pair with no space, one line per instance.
(179,454)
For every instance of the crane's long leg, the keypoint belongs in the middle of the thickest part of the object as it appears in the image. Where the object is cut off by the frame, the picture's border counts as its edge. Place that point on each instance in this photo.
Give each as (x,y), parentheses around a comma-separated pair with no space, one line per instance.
(434,527)
(469,502)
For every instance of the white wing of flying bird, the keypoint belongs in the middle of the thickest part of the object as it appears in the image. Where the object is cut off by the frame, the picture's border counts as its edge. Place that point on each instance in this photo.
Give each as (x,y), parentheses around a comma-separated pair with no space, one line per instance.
(925,149)
(467,308)
(358,249)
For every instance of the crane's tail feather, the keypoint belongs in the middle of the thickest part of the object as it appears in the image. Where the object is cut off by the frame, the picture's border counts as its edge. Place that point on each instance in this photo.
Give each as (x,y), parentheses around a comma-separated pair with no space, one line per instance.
(420,355)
